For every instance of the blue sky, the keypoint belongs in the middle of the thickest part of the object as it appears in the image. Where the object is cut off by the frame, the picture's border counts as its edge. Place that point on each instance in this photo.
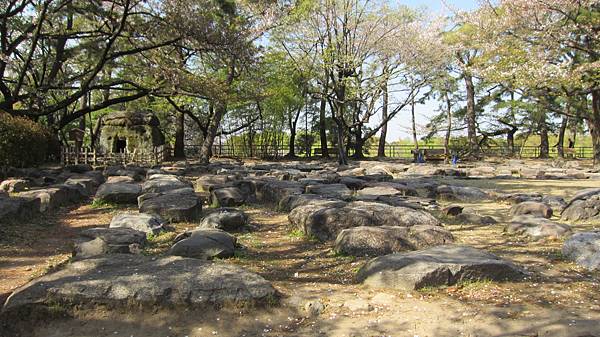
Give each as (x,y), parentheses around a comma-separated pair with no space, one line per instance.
(400,126)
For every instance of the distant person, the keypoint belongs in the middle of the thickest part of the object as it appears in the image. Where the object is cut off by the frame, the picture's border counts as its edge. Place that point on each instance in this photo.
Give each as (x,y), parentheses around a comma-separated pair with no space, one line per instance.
(571,143)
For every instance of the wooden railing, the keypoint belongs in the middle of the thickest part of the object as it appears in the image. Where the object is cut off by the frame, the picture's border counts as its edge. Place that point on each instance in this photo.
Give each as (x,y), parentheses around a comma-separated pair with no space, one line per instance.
(72,155)
(161,154)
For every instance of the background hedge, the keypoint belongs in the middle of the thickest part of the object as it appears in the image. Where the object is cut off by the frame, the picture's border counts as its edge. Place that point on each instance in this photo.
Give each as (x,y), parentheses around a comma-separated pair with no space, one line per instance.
(23,142)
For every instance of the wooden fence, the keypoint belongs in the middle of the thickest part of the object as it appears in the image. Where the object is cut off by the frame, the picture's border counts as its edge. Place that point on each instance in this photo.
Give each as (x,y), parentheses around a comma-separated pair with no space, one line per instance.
(160,154)
(73,155)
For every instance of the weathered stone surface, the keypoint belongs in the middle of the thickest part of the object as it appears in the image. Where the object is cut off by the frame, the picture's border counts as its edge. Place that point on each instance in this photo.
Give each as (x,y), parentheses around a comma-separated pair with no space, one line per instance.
(86,186)
(118,193)
(383,240)
(273,191)
(537,227)
(533,208)
(339,191)
(557,204)
(436,266)
(352,182)
(133,131)
(227,219)
(296,200)
(14,185)
(584,249)
(174,206)
(386,189)
(461,193)
(475,219)
(516,198)
(227,197)
(147,223)
(205,244)
(119,179)
(79,168)
(585,206)
(134,173)
(15,208)
(452,210)
(158,183)
(54,197)
(98,241)
(136,280)
(325,221)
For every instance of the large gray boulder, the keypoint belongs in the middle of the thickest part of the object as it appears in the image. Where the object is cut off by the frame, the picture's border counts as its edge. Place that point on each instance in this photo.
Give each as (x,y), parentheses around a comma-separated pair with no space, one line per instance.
(119,193)
(207,183)
(134,281)
(53,197)
(436,266)
(14,185)
(338,191)
(173,206)
(147,223)
(273,191)
(228,219)
(158,183)
(537,227)
(296,200)
(205,244)
(386,189)
(15,208)
(461,193)
(585,206)
(584,249)
(533,208)
(376,241)
(100,241)
(325,220)
(227,197)
(86,186)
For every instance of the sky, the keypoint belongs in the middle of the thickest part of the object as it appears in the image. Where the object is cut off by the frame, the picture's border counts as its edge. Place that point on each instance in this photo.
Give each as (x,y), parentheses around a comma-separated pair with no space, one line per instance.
(400,126)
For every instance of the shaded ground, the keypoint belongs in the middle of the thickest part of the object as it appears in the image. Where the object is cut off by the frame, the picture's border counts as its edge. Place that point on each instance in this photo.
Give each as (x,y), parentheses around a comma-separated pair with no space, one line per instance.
(556,299)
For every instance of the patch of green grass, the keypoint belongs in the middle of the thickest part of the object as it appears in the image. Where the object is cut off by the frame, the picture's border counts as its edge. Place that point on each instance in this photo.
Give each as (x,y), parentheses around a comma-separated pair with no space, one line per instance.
(100,203)
(240,255)
(474,284)
(299,234)
(250,240)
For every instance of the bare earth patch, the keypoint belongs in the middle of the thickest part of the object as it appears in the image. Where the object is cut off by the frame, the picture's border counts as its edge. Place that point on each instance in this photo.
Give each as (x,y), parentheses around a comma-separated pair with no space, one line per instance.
(557,298)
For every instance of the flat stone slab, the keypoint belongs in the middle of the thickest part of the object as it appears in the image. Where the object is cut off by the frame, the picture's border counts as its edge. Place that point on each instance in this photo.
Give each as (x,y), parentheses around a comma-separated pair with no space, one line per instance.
(377,241)
(462,193)
(158,183)
(325,220)
(100,241)
(137,280)
(537,227)
(437,266)
(147,223)
(228,219)
(174,206)
(533,208)
(205,244)
(339,191)
(585,206)
(119,193)
(584,249)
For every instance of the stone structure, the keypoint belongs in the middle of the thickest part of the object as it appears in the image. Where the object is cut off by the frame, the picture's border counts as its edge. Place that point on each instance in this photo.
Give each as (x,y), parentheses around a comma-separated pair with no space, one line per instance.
(128,131)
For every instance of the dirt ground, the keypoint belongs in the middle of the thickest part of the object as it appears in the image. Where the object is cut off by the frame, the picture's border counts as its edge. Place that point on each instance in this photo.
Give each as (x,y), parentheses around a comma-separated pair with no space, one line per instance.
(557,298)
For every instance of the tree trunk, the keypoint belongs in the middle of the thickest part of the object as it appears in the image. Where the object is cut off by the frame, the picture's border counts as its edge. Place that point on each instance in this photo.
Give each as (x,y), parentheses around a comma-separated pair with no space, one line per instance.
(414,125)
(292,144)
(323,128)
(471,117)
(359,143)
(449,127)
(561,135)
(206,148)
(384,116)
(544,143)
(594,125)
(510,140)
(179,148)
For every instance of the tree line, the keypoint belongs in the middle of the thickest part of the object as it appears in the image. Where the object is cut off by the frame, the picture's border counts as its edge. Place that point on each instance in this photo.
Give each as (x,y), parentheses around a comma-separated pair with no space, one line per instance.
(343,68)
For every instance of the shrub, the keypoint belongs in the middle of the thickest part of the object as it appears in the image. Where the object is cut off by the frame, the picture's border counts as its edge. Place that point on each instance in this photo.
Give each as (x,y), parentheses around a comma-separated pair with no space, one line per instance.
(23,142)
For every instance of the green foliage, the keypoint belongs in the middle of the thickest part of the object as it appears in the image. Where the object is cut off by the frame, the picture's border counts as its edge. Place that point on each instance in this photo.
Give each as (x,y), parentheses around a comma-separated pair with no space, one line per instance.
(23,142)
